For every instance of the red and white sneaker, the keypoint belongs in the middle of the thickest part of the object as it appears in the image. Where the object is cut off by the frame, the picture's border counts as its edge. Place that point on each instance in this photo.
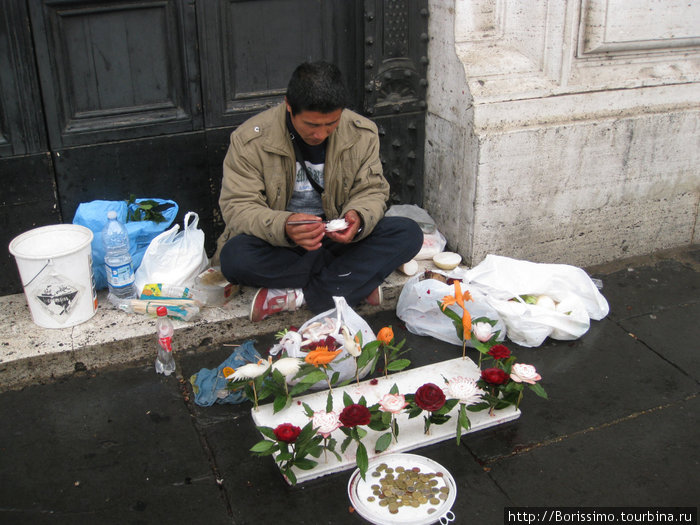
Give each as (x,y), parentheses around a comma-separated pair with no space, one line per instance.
(268,301)
(376,297)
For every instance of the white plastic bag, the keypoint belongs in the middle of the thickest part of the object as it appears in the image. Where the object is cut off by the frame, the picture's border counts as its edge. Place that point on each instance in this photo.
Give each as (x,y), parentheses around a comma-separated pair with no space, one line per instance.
(504,280)
(173,258)
(418,308)
(433,241)
(341,315)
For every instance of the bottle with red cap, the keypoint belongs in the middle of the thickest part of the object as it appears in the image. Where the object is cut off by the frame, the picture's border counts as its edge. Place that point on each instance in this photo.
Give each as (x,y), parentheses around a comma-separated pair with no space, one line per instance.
(165,364)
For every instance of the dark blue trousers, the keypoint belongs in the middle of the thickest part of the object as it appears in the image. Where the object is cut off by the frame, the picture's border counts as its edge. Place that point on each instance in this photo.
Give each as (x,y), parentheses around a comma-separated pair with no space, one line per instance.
(349,270)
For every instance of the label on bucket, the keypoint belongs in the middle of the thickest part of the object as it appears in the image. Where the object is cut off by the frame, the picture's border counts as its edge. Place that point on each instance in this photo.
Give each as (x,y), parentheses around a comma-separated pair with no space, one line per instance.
(57,296)
(120,276)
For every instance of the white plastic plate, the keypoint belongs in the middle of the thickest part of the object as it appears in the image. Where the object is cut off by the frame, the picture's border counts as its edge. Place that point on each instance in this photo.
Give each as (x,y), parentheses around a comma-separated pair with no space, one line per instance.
(359,490)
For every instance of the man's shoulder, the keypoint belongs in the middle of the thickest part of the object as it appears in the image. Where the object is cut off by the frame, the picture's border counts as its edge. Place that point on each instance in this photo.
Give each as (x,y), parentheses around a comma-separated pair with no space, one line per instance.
(358,121)
(260,125)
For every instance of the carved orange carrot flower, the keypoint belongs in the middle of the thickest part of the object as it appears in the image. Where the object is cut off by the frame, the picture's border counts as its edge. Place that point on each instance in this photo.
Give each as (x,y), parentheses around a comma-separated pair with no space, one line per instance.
(386,335)
(459,299)
(321,356)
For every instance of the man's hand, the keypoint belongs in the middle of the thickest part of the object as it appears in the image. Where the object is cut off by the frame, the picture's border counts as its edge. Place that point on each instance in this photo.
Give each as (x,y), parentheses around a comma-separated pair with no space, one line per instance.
(308,236)
(348,234)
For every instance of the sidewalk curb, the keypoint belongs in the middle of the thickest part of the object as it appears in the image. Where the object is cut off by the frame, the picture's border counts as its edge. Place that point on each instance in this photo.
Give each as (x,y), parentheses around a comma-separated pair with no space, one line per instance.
(31,354)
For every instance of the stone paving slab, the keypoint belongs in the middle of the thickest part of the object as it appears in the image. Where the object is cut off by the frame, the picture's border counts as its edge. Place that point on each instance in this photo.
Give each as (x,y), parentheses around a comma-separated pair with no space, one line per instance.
(641,286)
(118,448)
(650,459)
(620,428)
(250,481)
(672,325)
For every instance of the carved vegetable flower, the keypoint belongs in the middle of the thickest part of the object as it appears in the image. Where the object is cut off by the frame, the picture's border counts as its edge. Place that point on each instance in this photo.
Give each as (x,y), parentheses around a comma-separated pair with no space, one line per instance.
(494,376)
(350,343)
(290,342)
(287,366)
(354,415)
(459,299)
(522,373)
(386,335)
(499,352)
(251,370)
(482,331)
(430,397)
(325,422)
(287,432)
(464,389)
(321,356)
(393,403)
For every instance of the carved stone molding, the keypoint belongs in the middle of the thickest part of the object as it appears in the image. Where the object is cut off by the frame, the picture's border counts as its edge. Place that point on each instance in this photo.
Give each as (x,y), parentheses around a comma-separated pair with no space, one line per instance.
(523,50)
(621,26)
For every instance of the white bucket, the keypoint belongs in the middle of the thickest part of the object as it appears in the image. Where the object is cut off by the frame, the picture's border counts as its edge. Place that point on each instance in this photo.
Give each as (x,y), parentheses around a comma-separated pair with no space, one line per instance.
(55,265)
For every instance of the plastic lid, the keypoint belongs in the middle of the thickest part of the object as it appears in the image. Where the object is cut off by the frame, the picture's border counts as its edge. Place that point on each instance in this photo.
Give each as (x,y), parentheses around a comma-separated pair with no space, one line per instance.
(111,215)
(162,311)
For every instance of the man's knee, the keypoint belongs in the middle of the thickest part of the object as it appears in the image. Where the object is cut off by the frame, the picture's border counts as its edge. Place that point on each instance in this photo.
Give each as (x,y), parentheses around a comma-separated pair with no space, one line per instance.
(407,234)
(233,266)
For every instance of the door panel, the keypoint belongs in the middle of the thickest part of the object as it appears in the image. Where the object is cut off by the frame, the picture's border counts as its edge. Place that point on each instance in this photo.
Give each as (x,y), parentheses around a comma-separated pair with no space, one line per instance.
(250,48)
(140,96)
(21,119)
(116,70)
(395,83)
(28,201)
(168,167)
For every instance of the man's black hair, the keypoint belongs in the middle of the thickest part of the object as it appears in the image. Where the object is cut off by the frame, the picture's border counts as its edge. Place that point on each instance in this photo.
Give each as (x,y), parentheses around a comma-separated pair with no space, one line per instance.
(316,86)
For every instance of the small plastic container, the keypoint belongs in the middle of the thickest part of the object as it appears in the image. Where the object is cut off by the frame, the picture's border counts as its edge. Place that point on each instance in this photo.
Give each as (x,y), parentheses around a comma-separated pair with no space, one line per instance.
(447,260)
(212,288)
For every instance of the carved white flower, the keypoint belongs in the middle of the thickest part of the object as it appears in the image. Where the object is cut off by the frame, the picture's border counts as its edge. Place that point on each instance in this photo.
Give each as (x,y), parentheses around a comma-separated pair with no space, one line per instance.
(522,373)
(250,371)
(290,343)
(287,366)
(393,403)
(349,342)
(464,389)
(482,331)
(325,422)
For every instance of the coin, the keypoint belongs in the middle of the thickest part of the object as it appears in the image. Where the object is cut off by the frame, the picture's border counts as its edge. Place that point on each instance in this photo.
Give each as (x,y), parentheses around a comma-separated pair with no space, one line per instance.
(401,486)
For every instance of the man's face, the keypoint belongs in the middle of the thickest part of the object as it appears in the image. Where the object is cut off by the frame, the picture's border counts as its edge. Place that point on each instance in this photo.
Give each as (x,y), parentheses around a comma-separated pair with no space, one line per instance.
(314,127)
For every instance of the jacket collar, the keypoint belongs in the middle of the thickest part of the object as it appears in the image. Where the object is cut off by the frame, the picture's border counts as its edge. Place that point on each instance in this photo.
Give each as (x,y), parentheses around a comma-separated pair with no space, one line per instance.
(277,139)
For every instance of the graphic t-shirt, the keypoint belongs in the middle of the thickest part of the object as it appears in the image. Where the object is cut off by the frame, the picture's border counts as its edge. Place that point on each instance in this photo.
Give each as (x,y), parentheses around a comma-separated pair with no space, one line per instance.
(305,199)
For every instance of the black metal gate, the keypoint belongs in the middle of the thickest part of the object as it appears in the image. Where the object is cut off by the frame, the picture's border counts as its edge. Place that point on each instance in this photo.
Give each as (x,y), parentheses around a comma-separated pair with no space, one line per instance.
(103,99)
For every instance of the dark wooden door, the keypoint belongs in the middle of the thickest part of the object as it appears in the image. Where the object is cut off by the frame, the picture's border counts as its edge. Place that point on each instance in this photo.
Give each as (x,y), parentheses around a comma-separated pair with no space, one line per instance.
(100,99)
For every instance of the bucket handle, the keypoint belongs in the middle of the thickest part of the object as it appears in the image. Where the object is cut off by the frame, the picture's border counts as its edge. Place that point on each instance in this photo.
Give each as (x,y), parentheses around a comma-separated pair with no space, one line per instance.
(48,261)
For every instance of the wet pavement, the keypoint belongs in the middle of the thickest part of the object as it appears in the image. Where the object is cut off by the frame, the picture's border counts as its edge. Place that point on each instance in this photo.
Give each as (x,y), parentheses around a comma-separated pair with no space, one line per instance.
(621,427)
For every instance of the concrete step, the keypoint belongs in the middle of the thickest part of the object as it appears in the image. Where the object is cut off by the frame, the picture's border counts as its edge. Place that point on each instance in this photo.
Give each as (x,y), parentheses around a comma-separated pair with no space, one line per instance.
(30,353)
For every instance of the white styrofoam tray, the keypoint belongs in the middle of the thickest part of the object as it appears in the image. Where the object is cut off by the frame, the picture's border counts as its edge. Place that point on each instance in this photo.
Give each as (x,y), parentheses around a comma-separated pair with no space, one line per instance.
(411,431)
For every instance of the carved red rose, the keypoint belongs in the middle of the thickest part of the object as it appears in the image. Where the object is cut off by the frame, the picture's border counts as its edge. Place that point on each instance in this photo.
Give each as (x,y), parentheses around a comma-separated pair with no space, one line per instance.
(499,352)
(354,415)
(287,432)
(429,397)
(494,376)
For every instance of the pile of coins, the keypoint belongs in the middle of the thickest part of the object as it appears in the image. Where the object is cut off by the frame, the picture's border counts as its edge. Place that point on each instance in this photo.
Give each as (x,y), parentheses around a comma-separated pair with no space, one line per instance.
(407,487)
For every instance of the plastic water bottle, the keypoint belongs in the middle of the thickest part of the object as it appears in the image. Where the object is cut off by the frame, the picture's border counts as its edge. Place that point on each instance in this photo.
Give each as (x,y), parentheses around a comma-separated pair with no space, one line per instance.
(165,364)
(118,265)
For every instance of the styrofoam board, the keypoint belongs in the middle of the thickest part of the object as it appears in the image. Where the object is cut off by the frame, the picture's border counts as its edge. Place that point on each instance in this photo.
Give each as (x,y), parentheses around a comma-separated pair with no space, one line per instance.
(411,431)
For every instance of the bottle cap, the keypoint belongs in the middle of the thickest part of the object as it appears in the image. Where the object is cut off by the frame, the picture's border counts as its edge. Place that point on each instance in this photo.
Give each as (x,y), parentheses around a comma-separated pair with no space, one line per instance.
(111,214)
(162,311)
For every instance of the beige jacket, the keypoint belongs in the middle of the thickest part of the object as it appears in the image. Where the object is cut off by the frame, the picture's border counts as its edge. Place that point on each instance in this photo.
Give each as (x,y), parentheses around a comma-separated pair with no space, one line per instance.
(259,173)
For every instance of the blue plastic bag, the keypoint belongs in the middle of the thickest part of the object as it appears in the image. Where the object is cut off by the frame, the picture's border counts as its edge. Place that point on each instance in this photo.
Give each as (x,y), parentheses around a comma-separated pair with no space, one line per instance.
(93,215)
(209,384)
